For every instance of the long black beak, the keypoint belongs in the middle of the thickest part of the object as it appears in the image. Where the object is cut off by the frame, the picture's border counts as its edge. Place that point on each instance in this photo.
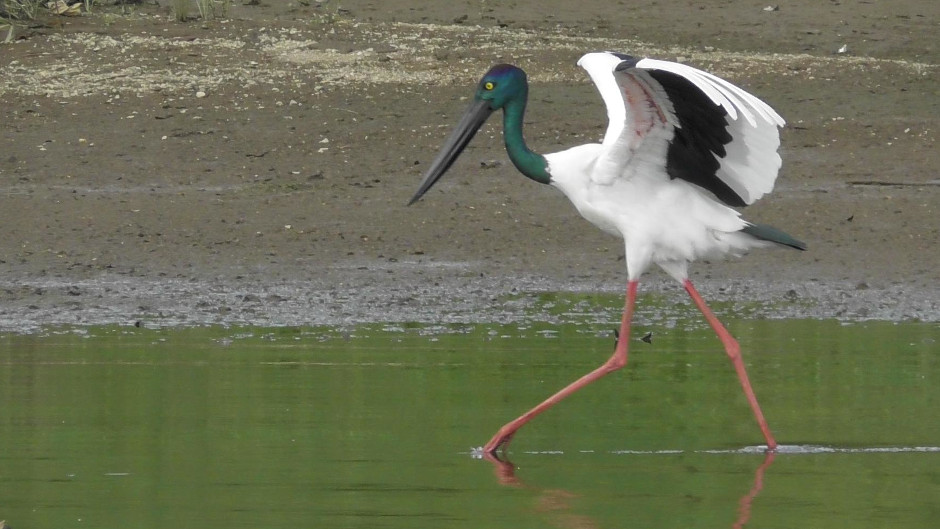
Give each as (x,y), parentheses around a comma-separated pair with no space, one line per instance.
(469,124)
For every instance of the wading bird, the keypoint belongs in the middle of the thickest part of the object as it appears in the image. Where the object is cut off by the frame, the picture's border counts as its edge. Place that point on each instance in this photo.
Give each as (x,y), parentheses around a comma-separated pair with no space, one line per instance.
(681,148)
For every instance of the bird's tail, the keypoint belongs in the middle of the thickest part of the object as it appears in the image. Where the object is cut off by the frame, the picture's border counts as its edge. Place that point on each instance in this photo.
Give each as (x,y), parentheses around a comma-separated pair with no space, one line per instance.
(769,233)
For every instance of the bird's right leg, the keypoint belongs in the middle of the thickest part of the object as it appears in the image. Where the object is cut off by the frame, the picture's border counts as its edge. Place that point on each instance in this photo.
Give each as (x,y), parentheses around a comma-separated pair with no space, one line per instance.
(733,350)
(616,361)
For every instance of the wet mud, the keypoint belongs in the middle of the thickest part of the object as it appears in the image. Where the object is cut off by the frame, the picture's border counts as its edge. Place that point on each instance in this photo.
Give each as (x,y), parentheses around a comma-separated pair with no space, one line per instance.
(255,169)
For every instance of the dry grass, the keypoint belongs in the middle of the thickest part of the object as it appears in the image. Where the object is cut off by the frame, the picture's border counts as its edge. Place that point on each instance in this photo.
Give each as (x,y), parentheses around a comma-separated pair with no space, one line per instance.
(13,10)
(20,9)
(207,9)
(181,9)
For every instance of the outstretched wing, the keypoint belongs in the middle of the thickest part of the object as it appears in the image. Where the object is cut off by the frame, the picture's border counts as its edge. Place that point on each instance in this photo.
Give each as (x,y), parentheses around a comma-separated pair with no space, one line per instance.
(699,127)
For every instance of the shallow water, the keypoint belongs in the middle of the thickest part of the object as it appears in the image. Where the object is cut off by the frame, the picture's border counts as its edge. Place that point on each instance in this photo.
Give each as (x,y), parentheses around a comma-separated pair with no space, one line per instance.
(374,427)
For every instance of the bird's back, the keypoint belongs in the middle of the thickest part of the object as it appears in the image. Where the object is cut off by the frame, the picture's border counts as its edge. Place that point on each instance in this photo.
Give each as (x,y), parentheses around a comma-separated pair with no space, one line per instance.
(699,127)
(682,146)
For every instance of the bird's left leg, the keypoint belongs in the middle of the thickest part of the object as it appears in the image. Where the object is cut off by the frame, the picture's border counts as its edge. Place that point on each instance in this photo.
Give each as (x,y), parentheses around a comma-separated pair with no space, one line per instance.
(734,353)
(616,361)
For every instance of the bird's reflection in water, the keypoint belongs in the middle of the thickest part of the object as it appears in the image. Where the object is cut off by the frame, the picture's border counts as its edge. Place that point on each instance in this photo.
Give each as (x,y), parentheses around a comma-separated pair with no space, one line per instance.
(744,504)
(557,501)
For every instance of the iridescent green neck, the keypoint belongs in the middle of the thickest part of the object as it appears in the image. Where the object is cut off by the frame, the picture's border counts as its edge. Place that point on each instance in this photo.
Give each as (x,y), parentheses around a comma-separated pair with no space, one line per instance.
(529,163)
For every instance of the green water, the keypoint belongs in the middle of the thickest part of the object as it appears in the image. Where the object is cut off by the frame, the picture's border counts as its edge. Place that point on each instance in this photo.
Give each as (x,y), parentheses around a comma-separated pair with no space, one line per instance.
(372,428)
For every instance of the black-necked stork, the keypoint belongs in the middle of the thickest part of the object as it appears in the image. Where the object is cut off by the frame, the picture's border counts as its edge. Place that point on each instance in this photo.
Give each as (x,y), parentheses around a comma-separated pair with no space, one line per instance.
(682,148)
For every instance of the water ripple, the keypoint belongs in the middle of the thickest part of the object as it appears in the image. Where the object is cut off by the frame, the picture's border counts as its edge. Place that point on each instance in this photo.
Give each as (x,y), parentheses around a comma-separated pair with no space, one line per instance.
(757,449)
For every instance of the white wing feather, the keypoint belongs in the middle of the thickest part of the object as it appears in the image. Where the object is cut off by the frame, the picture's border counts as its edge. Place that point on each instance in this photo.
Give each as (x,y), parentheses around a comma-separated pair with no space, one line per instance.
(600,67)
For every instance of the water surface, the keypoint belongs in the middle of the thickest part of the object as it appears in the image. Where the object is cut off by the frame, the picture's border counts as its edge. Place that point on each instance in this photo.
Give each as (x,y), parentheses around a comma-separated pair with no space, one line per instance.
(374,426)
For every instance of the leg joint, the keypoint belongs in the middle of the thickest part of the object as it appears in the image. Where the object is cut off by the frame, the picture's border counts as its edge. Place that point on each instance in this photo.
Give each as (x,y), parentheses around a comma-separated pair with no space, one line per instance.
(618,361)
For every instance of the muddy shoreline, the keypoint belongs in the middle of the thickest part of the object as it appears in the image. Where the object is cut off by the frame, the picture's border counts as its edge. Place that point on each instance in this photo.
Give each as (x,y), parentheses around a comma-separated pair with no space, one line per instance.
(254,170)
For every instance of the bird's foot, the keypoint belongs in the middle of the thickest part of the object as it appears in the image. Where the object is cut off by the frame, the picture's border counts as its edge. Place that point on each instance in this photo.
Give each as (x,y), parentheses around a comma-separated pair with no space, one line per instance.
(500,440)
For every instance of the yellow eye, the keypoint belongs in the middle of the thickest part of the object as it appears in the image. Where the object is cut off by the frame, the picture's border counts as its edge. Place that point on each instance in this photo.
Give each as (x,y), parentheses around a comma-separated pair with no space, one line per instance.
(488,85)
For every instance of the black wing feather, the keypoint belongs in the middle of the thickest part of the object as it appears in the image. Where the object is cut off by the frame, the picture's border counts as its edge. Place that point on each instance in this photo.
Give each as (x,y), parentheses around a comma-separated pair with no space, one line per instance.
(699,140)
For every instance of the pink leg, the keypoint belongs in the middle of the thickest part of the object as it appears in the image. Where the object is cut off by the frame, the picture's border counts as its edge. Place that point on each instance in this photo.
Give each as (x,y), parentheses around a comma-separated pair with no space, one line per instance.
(734,353)
(617,361)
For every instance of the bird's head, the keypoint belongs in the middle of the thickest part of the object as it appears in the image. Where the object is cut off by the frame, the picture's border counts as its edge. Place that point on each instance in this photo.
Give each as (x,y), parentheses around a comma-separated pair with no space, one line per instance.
(502,84)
